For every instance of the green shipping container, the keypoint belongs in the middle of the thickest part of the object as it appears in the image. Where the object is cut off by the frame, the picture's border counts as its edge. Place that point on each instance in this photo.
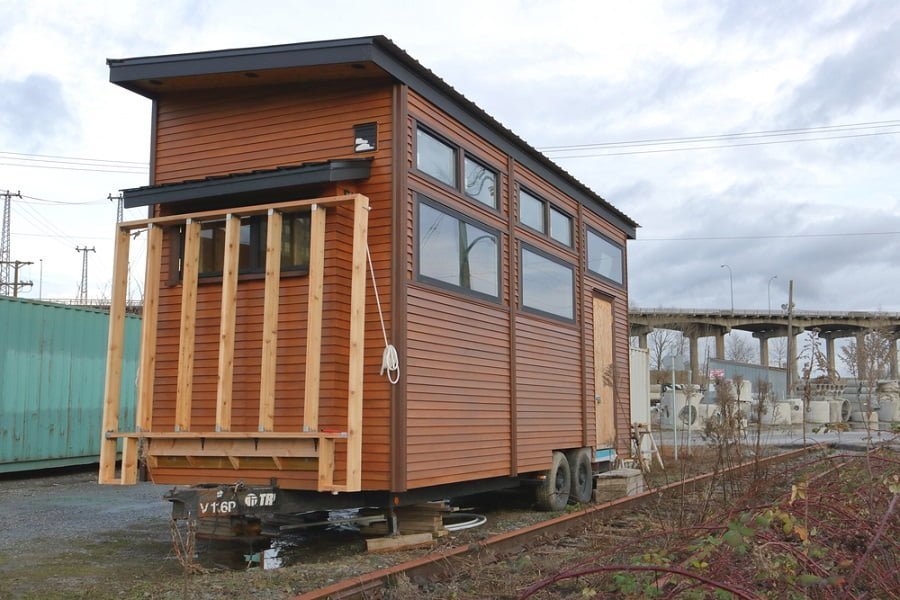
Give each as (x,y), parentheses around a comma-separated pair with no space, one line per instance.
(52,367)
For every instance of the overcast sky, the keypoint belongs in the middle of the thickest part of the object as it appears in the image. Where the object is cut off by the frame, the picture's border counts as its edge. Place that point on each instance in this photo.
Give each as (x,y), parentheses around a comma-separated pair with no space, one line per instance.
(824,212)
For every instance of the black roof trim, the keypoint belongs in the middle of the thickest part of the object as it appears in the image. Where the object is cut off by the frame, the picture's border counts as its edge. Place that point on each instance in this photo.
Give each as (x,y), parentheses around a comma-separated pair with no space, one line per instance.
(129,72)
(270,185)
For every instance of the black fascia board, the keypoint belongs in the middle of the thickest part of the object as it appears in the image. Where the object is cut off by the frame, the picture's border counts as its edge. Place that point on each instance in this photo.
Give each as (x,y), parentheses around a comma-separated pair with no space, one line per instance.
(266,186)
(404,68)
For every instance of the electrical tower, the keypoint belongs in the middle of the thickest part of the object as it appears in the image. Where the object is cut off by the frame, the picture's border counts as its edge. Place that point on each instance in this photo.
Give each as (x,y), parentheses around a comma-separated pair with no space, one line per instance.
(120,207)
(82,290)
(15,284)
(5,248)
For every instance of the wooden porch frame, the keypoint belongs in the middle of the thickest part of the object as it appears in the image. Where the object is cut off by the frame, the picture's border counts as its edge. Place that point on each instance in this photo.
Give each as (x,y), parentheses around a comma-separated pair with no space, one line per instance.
(321,445)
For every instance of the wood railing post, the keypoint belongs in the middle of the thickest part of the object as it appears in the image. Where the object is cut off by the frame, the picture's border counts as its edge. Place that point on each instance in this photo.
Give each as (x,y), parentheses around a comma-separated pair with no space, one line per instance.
(230,270)
(189,273)
(149,317)
(357,343)
(314,319)
(270,323)
(112,393)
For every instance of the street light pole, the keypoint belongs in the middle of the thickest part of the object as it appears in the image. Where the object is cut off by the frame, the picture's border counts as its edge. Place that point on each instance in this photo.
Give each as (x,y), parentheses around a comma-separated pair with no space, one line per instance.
(769,291)
(731,283)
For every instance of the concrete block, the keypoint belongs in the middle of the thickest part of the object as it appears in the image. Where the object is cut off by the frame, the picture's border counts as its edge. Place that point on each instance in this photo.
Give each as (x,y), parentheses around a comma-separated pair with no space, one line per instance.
(617,484)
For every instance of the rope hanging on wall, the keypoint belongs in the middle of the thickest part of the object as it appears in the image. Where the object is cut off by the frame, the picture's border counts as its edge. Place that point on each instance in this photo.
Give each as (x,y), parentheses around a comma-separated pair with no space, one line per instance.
(390,362)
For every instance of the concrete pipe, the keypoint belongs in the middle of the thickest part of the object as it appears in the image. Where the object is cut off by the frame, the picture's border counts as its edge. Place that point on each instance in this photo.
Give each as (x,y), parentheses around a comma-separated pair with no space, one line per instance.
(889,411)
(839,411)
(796,405)
(818,412)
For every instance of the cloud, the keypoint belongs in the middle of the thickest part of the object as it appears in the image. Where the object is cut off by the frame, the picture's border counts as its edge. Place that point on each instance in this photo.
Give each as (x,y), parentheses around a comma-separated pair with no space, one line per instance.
(868,74)
(34,112)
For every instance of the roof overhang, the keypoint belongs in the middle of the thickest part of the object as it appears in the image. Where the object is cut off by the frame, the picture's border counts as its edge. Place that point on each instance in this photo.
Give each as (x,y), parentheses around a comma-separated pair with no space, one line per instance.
(342,59)
(271,185)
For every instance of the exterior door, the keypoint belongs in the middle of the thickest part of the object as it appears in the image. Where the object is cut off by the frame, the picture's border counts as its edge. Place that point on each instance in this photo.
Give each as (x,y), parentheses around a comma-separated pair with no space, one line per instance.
(604,391)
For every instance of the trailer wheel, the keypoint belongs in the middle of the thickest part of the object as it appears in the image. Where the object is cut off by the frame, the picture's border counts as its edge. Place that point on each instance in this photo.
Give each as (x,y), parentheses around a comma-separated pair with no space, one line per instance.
(582,489)
(553,492)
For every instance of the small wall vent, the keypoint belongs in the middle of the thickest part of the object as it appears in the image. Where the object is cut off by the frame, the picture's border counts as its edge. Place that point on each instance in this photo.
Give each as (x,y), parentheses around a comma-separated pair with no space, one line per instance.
(365,137)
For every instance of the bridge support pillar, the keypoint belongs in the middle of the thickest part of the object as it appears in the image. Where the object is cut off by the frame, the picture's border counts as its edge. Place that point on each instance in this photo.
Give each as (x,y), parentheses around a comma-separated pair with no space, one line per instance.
(829,353)
(720,344)
(861,354)
(892,358)
(764,351)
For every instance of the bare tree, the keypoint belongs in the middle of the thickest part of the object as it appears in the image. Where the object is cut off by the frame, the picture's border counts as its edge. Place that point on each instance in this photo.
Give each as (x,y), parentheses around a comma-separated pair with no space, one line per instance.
(872,361)
(778,351)
(662,343)
(739,349)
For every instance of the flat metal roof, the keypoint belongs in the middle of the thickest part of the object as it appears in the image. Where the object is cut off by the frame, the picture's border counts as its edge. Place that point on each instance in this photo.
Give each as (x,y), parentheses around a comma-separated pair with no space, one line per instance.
(148,76)
(269,185)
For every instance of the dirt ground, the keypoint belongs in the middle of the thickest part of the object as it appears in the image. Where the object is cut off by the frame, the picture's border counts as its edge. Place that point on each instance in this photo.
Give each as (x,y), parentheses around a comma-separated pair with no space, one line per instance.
(64,536)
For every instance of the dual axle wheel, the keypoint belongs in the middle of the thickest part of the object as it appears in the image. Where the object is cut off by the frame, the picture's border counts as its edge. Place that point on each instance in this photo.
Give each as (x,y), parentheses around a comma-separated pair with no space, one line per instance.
(570,478)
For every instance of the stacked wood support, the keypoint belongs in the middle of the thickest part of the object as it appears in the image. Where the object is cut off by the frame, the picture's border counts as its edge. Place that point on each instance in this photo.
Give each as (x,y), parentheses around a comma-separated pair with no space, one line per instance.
(309,449)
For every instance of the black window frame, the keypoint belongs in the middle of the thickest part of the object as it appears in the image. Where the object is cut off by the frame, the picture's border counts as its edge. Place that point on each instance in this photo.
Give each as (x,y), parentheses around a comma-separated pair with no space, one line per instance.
(466,155)
(523,246)
(450,212)
(453,146)
(587,255)
(462,154)
(257,267)
(547,207)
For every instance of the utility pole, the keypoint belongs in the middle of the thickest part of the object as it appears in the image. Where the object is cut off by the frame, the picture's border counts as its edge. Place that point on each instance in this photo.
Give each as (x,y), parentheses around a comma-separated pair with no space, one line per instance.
(120,207)
(791,357)
(15,285)
(5,247)
(82,291)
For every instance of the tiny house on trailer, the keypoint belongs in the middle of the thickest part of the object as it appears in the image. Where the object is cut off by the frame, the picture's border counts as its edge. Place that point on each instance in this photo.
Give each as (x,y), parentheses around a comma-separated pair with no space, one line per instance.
(360,290)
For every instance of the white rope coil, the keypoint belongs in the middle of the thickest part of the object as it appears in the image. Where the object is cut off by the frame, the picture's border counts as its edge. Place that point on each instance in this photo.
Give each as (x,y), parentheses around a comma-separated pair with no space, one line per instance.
(390,361)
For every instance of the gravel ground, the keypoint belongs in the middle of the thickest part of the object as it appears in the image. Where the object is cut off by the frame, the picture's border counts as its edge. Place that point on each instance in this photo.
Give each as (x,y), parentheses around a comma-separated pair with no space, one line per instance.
(64,536)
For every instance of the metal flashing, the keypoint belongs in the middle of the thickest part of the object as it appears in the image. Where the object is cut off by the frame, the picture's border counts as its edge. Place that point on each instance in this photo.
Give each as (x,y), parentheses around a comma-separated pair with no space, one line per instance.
(270,185)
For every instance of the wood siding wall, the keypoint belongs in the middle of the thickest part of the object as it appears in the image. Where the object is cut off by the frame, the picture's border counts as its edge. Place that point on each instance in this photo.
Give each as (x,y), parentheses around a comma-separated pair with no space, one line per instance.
(479,405)
(231,131)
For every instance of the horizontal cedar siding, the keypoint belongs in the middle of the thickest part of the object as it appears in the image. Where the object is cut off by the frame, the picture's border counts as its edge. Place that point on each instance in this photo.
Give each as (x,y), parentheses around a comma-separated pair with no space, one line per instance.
(457,389)
(226,131)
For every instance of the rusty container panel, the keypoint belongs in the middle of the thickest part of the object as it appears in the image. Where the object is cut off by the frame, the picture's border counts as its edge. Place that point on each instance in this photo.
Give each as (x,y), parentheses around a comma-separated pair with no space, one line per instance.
(52,365)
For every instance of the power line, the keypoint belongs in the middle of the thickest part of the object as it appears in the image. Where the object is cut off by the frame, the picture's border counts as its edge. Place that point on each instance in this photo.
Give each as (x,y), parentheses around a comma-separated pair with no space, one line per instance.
(78,158)
(768,236)
(144,172)
(835,137)
(47,235)
(750,134)
(61,202)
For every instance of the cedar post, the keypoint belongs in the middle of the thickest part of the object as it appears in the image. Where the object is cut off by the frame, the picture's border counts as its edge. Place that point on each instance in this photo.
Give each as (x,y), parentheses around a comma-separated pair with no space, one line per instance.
(314,319)
(357,343)
(270,323)
(190,268)
(113,384)
(230,271)
(150,314)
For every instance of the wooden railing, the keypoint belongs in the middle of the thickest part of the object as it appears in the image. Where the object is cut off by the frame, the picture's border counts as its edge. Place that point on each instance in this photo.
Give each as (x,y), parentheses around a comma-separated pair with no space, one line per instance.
(223,444)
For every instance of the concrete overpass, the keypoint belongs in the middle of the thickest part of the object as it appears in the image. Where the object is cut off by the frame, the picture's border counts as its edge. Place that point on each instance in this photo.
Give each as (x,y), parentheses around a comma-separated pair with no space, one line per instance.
(764,325)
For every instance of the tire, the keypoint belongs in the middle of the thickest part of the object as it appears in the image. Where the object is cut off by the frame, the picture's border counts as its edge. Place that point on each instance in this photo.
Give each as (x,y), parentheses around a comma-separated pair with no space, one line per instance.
(553,492)
(582,475)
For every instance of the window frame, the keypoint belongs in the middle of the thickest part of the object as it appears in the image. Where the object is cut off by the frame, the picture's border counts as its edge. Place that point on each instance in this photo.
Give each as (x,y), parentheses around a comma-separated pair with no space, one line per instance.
(255,223)
(417,250)
(547,208)
(462,153)
(466,155)
(587,256)
(453,146)
(523,246)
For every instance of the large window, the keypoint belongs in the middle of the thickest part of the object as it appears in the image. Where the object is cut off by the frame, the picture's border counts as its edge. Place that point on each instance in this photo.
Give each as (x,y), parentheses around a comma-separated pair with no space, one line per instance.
(252,252)
(456,252)
(604,257)
(548,285)
(450,164)
(541,216)
(435,157)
